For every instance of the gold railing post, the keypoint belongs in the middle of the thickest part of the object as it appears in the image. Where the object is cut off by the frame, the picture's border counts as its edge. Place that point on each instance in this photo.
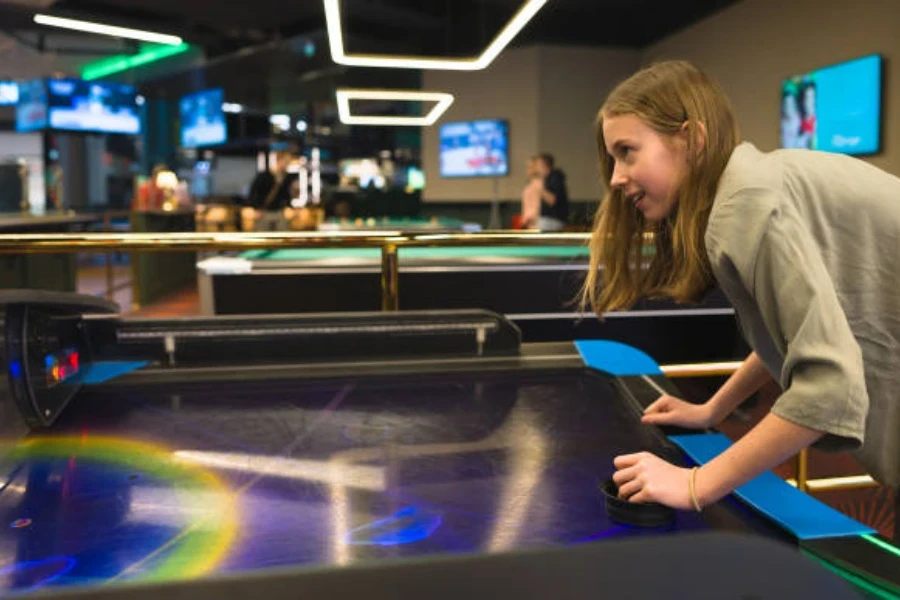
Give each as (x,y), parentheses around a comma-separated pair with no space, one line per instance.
(110,277)
(135,280)
(390,272)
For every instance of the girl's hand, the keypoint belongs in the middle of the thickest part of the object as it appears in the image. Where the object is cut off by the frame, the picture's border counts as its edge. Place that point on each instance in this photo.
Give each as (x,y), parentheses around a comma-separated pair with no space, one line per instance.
(669,410)
(644,477)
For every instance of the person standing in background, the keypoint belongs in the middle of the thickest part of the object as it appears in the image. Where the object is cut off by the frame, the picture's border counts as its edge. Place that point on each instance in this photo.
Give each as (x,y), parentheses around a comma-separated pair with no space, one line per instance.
(270,195)
(554,195)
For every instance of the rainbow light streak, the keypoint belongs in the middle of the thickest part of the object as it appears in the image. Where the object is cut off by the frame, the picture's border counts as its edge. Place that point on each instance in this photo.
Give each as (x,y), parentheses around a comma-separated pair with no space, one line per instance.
(196,550)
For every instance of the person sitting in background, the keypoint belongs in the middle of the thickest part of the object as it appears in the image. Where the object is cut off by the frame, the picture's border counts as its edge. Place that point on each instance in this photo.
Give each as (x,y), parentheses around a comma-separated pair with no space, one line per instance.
(150,196)
(531,196)
(174,191)
(270,196)
(554,195)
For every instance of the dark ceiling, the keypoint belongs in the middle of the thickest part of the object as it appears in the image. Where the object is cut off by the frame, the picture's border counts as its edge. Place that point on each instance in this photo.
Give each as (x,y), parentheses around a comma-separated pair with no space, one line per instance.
(433,26)
(259,49)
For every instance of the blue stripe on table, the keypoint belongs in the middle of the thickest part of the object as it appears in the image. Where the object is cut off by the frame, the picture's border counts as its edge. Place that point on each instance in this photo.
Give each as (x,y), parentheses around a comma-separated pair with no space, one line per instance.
(801,514)
(101,372)
(616,358)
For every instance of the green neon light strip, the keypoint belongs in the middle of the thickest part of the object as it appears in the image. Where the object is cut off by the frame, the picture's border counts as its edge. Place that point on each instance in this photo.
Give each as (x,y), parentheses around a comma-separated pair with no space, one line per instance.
(882,544)
(116,64)
(854,579)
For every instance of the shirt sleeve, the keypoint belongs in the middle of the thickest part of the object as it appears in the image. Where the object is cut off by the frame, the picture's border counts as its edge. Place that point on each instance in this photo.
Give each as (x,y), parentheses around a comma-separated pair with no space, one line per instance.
(255,197)
(822,373)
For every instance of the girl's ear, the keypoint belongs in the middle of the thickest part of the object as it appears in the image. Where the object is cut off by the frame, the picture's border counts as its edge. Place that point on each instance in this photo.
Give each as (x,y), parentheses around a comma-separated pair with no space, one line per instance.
(700,136)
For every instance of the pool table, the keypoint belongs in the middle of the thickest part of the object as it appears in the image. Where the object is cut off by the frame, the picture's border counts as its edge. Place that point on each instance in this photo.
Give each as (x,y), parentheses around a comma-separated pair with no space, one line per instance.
(536,287)
(404,224)
(404,455)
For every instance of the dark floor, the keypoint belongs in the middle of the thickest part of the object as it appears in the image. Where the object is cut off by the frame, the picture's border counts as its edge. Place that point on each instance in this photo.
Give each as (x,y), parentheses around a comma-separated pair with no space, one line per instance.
(874,506)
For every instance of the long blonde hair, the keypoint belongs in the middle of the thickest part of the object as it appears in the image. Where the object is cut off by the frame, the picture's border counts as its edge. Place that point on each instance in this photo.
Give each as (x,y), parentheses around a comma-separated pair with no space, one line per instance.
(670,97)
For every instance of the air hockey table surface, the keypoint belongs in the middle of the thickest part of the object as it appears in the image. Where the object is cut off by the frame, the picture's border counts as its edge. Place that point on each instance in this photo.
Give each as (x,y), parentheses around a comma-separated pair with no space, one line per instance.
(160,473)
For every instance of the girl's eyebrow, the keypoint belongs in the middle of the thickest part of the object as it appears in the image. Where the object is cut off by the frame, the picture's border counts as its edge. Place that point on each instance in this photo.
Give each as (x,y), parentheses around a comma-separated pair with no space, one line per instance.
(619,144)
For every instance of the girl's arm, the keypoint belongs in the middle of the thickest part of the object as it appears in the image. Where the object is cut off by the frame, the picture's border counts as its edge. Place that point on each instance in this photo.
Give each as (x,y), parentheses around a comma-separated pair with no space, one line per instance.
(770,443)
(747,380)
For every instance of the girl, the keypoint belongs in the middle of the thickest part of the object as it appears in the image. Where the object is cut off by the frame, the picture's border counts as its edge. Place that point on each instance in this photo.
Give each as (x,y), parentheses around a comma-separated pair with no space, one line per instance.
(805,244)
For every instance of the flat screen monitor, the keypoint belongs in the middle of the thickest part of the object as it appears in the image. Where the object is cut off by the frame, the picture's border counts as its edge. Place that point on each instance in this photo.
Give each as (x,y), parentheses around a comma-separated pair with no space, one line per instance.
(201,179)
(835,108)
(9,93)
(415,178)
(363,172)
(93,106)
(202,119)
(475,149)
(31,110)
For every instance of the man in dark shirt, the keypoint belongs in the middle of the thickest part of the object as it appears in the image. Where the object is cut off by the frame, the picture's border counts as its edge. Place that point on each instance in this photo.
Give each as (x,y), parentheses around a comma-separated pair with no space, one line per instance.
(270,194)
(554,196)
(271,190)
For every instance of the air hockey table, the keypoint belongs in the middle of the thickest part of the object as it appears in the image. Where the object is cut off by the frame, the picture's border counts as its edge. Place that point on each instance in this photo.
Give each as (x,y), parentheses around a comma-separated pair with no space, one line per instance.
(404,455)
(535,287)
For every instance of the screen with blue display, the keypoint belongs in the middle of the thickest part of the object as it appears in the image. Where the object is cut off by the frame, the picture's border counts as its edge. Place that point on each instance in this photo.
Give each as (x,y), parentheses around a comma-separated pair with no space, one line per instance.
(31,110)
(93,106)
(9,93)
(834,109)
(475,149)
(202,119)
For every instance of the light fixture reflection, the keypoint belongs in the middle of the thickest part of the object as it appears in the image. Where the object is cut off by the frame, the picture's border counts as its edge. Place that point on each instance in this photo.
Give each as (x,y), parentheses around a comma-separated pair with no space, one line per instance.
(519,435)
(363,477)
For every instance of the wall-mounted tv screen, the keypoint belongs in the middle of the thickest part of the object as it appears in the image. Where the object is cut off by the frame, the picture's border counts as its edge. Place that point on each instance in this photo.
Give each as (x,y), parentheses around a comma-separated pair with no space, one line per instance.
(835,108)
(475,149)
(93,106)
(31,110)
(9,93)
(202,119)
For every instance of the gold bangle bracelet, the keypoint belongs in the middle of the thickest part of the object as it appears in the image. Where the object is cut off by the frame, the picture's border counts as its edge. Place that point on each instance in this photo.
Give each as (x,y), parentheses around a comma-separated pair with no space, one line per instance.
(693,489)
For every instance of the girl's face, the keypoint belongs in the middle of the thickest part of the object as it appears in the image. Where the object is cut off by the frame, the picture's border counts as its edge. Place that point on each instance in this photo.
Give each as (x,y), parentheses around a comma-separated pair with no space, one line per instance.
(648,166)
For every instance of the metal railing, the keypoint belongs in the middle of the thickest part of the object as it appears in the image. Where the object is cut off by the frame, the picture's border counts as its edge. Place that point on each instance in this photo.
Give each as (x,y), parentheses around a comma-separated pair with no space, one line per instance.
(390,243)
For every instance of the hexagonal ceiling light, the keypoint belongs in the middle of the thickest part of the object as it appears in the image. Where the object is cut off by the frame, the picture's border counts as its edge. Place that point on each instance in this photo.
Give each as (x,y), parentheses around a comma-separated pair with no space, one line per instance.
(344,96)
(474,63)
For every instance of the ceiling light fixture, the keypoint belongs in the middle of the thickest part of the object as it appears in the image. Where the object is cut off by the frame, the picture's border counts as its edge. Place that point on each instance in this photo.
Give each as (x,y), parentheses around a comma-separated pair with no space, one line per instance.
(121,32)
(344,96)
(506,35)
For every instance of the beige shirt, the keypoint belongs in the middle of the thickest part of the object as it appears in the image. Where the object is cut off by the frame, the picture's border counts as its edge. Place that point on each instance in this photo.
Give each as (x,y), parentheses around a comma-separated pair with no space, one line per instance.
(807,247)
